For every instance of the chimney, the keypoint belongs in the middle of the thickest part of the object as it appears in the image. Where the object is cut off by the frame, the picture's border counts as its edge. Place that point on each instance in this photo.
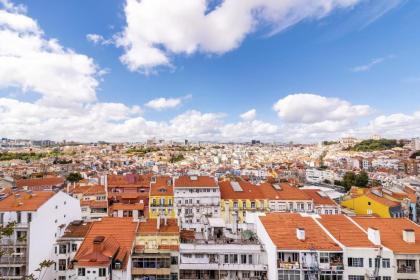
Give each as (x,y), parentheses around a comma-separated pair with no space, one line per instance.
(300,234)
(374,236)
(409,235)
(97,243)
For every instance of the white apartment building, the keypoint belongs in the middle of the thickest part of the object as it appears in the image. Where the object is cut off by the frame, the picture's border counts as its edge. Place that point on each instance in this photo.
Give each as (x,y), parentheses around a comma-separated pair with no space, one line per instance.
(297,248)
(402,237)
(196,199)
(218,254)
(39,216)
(314,175)
(335,247)
(66,247)
(364,256)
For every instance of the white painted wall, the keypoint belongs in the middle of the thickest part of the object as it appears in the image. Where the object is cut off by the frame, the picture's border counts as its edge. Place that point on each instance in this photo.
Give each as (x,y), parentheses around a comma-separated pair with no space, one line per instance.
(59,209)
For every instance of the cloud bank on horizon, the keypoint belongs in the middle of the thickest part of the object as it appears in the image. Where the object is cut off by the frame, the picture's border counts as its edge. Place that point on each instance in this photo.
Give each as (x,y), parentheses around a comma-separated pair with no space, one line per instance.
(67,107)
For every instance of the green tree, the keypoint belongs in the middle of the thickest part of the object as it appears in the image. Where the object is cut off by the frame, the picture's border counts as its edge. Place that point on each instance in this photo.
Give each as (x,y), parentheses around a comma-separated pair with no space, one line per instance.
(362,179)
(74,177)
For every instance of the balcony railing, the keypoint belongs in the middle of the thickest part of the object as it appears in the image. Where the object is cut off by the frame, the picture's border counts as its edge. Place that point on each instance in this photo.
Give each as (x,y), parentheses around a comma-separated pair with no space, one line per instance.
(4,260)
(406,269)
(12,241)
(161,205)
(288,265)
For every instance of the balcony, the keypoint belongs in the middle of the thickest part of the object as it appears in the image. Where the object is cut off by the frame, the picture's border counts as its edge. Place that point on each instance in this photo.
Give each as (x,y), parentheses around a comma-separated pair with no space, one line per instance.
(150,271)
(288,265)
(6,261)
(166,205)
(406,266)
(7,241)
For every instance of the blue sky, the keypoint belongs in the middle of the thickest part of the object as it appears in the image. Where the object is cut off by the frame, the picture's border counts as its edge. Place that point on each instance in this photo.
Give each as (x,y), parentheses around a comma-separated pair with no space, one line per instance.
(363,54)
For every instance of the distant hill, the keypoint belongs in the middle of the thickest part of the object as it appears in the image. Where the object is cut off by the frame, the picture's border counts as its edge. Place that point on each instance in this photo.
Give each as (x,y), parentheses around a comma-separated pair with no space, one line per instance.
(375,145)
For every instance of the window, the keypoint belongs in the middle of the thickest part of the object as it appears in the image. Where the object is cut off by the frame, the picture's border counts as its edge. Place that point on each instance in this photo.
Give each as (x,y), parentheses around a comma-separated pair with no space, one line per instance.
(386,277)
(61,277)
(18,217)
(250,259)
(243,259)
(289,275)
(324,258)
(174,260)
(61,264)
(244,204)
(62,249)
(356,277)
(102,272)
(226,259)
(252,204)
(370,262)
(355,262)
(81,271)
(29,217)
(73,247)
(386,263)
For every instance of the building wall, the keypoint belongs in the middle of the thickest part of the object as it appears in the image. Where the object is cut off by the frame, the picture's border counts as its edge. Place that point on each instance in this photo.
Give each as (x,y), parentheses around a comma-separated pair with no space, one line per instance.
(167,200)
(361,206)
(260,206)
(270,249)
(59,210)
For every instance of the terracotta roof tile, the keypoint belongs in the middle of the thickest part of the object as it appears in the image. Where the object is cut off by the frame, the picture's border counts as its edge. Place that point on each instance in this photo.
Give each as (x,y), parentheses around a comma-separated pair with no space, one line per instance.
(281,227)
(250,191)
(40,182)
(345,231)
(77,229)
(118,236)
(317,198)
(391,233)
(150,227)
(24,201)
(127,206)
(195,181)
(286,192)
(162,186)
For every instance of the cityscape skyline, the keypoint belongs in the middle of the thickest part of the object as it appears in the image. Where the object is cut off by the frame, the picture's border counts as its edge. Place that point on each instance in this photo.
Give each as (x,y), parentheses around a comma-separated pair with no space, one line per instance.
(279,72)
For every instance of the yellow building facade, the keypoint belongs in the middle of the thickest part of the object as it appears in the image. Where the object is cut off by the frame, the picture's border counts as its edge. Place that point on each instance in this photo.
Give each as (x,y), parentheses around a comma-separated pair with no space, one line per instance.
(372,203)
(161,198)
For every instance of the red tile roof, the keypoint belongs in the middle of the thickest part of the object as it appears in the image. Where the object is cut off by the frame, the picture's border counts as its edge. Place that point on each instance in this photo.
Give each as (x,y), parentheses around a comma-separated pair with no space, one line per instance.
(127,206)
(118,235)
(77,229)
(150,227)
(24,201)
(281,227)
(286,192)
(195,182)
(345,231)
(318,199)
(46,182)
(250,191)
(391,233)
(129,180)
(162,186)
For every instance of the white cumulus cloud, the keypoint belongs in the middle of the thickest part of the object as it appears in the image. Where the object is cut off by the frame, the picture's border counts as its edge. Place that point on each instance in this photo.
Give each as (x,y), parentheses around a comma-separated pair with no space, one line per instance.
(157,29)
(162,103)
(249,115)
(312,108)
(32,62)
